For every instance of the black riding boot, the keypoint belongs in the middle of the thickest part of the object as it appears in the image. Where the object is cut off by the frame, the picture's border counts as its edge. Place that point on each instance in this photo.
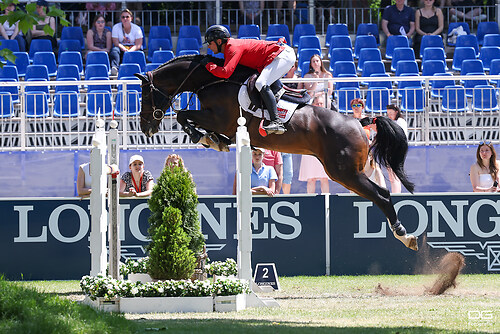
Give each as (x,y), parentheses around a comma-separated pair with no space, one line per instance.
(276,126)
(193,134)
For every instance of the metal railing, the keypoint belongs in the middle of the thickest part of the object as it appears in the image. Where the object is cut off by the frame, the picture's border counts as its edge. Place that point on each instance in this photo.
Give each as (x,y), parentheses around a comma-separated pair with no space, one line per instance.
(60,120)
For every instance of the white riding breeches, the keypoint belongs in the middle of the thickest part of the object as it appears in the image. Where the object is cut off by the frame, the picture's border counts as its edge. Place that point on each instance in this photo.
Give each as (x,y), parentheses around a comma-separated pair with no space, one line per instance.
(277,69)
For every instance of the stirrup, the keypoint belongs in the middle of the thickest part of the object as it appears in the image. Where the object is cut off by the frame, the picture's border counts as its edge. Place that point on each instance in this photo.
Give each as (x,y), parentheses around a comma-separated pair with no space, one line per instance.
(275,127)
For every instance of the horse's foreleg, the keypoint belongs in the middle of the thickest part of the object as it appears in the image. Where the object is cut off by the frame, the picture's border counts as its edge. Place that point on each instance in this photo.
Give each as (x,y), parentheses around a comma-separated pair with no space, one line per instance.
(192,132)
(364,187)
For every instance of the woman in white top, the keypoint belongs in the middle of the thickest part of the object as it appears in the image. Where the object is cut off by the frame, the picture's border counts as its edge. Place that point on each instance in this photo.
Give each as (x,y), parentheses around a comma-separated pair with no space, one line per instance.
(126,36)
(484,175)
(84,179)
(318,89)
(12,31)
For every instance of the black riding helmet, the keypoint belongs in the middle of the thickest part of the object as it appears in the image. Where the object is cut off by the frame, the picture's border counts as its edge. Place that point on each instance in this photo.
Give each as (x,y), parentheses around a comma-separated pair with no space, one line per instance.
(216,32)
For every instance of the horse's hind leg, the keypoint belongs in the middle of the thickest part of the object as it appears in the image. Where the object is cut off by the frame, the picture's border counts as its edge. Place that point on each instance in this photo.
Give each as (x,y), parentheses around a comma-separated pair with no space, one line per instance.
(364,187)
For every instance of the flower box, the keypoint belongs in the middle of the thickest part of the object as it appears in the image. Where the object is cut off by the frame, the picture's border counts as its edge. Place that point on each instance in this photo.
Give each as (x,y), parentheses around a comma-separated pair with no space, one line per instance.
(140,278)
(230,303)
(166,304)
(101,304)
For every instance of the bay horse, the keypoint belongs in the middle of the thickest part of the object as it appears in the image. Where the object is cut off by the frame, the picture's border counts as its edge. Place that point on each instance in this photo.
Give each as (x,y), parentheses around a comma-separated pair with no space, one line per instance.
(337,140)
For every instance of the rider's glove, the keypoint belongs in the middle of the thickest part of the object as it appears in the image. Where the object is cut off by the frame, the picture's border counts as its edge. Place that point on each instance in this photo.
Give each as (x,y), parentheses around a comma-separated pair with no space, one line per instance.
(205,61)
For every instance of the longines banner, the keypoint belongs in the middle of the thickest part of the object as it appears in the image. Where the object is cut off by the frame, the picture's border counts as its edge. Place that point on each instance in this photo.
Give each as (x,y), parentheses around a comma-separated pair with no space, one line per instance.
(48,238)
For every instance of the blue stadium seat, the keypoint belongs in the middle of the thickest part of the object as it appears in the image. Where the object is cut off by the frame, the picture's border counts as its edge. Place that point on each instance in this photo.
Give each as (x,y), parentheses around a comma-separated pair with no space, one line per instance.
(99,103)
(430,41)
(186,44)
(406,66)
(346,84)
(491,40)
(454,99)
(340,54)
(304,68)
(188,52)
(279,30)
(128,70)
(484,28)
(365,41)
(75,33)
(159,32)
(335,29)
(460,55)
(39,45)
(69,45)
(67,87)
(158,44)
(189,101)
(6,105)
(309,42)
(395,41)
(368,29)
(37,72)
(495,70)
(96,71)
(135,57)
(487,54)
(403,83)
(72,57)
(471,66)
(430,67)
(469,85)
(401,54)
(190,32)
(68,71)
(249,31)
(344,98)
(22,62)
(380,84)
(300,30)
(162,56)
(412,99)
(152,66)
(453,25)
(373,67)
(368,54)
(10,44)
(343,67)
(9,74)
(306,54)
(485,99)
(439,85)
(434,53)
(377,99)
(66,104)
(133,103)
(48,59)
(468,40)
(36,104)
(340,42)
(98,57)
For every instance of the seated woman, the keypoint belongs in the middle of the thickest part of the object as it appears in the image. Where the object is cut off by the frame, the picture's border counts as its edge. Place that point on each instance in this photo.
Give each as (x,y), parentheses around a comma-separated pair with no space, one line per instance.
(12,31)
(138,182)
(263,177)
(99,38)
(318,89)
(37,32)
(126,36)
(484,175)
(429,20)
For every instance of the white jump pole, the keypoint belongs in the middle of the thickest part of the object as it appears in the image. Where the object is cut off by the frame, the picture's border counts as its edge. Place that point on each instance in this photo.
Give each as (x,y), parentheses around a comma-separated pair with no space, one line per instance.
(244,201)
(98,211)
(113,203)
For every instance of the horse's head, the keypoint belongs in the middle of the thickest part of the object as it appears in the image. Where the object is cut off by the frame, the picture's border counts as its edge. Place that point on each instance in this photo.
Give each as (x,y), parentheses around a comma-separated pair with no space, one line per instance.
(154,102)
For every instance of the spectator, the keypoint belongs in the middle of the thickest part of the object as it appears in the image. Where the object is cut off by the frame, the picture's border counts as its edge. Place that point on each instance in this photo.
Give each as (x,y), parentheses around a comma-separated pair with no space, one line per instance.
(104,9)
(12,31)
(318,89)
(273,159)
(263,177)
(126,36)
(394,113)
(484,175)
(473,14)
(174,160)
(292,75)
(251,11)
(287,172)
(138,182)
(311,169)
(398,19)
(37,32)
(84,179)
(429,20)
(358,112)
(98,37)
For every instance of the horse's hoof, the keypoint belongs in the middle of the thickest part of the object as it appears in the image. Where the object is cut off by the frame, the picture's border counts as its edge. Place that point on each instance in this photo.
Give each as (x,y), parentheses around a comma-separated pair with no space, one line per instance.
(408,240)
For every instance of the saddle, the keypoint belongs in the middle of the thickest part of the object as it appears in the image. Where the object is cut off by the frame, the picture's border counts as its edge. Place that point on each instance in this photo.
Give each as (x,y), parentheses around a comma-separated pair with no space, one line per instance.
(280,91)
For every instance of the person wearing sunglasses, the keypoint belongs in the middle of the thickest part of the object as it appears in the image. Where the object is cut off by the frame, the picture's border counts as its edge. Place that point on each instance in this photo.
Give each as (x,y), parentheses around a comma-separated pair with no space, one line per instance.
(484,175)
(98,37)
(126,37)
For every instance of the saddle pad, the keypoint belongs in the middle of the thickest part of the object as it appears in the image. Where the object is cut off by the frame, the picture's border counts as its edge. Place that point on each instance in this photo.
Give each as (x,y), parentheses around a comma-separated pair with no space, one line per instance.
(285,108)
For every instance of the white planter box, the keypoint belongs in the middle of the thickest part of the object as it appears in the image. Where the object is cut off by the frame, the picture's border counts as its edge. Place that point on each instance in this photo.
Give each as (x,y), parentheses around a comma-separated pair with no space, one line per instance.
(166,304)
(103,305)
(230,303)
(140,278)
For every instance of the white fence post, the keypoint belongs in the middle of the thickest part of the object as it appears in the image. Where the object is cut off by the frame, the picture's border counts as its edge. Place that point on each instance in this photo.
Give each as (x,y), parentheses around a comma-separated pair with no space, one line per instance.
(113,203)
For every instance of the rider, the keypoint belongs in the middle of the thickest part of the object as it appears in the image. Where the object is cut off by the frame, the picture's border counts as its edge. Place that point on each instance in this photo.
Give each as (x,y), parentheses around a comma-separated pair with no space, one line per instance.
(272,59)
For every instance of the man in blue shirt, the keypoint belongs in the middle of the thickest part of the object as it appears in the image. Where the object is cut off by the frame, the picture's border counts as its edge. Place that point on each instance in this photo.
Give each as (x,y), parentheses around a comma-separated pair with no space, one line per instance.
(398,19)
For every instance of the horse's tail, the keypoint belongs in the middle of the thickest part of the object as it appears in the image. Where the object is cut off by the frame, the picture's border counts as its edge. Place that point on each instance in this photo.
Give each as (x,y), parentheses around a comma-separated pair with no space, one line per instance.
(390,148)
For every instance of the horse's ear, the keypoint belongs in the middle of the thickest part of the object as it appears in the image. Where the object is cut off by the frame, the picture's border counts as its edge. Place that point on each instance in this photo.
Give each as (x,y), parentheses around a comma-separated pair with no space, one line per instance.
(142,77)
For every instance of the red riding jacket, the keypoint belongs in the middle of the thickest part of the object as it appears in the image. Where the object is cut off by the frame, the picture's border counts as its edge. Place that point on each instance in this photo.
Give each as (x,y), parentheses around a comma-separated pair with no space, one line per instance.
(253,53)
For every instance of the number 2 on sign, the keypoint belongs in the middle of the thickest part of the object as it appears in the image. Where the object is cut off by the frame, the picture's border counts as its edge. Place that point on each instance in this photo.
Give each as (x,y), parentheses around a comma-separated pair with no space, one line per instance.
(266,272)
